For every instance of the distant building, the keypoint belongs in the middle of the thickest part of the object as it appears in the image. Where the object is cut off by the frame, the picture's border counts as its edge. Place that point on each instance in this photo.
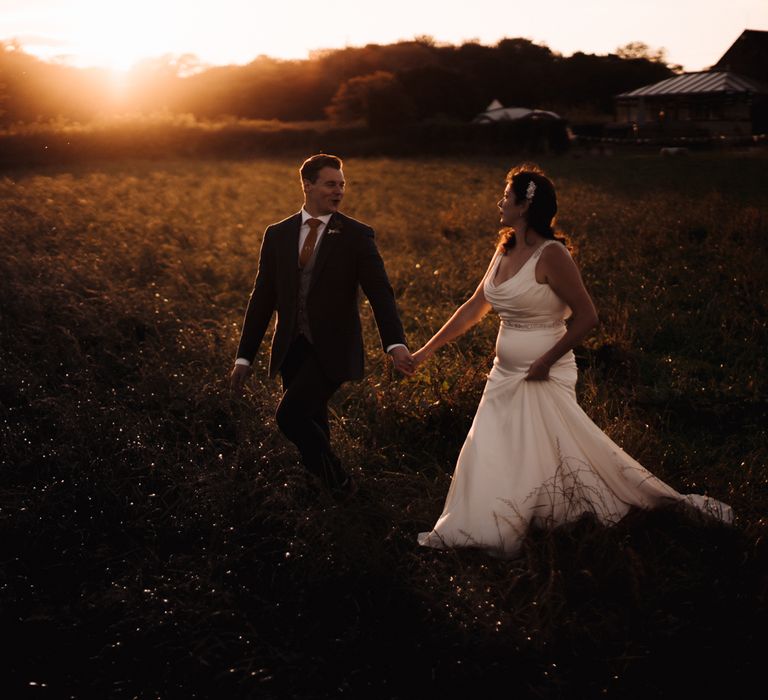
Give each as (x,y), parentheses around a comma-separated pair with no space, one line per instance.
(748,56)
(495,112)
(729,99)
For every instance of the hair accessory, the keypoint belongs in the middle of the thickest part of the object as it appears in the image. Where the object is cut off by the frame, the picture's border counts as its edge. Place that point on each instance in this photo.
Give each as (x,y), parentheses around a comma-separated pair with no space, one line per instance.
(530,191)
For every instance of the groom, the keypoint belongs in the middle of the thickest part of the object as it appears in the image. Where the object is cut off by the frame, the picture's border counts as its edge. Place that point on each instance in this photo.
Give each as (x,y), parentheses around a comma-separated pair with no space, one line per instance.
(310,267)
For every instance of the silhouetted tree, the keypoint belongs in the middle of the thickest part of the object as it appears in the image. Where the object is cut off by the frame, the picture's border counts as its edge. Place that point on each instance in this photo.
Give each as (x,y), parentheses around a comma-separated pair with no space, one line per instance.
(3,99)
(378,99)
(36,90)
(592,79)
(437,91)
(639,50)
(379,84)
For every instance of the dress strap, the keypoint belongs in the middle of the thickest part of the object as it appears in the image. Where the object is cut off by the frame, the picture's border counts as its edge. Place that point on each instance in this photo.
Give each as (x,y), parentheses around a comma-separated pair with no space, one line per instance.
(542,246)
(491,270)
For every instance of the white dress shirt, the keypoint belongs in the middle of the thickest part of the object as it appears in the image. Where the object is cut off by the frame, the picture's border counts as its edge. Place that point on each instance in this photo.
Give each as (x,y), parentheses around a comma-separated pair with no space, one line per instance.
(304,230)
(303,233)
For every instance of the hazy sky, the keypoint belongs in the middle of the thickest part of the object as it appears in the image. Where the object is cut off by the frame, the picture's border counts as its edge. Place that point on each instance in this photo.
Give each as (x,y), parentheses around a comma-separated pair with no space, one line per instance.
(116,33)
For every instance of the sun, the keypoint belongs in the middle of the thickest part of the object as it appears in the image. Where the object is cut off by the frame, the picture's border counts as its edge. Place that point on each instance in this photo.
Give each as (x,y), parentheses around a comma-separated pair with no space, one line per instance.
(117,37)
(116,34)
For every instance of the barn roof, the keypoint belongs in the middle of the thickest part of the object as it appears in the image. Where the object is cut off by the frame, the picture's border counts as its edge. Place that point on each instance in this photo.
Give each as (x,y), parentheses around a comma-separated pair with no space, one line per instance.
(704,82)
(748,55)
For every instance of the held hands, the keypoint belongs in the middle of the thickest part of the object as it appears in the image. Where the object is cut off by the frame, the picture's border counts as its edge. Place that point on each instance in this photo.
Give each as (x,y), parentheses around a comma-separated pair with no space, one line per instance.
(402,360)
(238,376)
(538,371)
(420,357)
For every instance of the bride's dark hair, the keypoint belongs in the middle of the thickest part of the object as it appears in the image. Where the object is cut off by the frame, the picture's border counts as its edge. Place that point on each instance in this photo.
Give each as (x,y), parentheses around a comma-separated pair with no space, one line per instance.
(542,209)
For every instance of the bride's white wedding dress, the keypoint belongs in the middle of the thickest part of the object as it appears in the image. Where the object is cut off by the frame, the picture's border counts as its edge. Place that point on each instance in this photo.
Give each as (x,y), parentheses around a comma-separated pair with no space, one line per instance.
(532,455)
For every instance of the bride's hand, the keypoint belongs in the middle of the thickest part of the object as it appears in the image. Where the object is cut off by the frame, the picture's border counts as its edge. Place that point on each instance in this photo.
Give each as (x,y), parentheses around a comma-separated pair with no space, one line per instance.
(538,371)
(419,357)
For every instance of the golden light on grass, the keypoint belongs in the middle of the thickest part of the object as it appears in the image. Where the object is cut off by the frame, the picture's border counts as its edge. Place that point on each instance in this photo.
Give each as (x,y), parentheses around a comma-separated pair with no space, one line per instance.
(139,498)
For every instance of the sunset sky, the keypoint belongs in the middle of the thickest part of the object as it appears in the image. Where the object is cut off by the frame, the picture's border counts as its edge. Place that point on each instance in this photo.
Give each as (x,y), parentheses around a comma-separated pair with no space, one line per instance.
(117,33)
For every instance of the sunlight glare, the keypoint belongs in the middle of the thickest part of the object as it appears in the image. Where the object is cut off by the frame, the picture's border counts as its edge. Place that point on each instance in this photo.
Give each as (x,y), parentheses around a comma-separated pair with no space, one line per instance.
(117,35)
(120,37)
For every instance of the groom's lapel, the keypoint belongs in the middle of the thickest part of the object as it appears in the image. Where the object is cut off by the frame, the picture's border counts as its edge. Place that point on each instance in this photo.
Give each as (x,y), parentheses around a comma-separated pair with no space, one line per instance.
(328,244)
(291,248)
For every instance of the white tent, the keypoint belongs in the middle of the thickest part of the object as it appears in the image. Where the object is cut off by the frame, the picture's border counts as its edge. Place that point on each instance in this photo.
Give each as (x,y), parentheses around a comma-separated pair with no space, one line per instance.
(496,112)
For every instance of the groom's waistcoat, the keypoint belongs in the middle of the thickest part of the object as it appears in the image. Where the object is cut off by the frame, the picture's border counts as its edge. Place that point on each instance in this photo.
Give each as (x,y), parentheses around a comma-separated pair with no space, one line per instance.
(305,278)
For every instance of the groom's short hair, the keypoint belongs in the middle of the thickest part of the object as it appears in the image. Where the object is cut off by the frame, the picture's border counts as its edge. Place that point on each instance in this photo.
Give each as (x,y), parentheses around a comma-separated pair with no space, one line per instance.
(314,164)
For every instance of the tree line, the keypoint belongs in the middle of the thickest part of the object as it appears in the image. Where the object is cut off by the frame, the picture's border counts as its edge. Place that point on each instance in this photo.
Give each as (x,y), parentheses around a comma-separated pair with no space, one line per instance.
(378,85)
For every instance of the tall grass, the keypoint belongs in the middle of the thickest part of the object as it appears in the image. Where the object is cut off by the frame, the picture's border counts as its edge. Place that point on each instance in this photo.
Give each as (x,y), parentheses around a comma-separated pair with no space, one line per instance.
(159,538)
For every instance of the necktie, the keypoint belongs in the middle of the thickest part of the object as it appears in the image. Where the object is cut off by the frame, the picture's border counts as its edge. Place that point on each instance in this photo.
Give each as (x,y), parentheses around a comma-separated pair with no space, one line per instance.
(309,243)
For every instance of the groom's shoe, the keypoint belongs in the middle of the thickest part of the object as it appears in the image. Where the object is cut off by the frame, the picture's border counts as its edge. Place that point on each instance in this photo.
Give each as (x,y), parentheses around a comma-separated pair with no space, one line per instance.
(331,473)
(345,489)
(338,481)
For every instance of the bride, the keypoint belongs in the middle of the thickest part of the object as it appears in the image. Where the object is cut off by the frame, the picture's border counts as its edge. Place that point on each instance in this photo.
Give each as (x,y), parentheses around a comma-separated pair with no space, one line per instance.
(532,456)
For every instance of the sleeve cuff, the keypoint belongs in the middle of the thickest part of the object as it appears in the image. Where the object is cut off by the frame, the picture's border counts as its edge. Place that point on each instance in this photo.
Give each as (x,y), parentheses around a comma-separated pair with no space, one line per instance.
(242,361)
(396,345)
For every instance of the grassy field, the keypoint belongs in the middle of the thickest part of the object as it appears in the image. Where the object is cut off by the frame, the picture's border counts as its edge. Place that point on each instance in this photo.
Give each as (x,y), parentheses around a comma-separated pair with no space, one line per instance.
(158,539)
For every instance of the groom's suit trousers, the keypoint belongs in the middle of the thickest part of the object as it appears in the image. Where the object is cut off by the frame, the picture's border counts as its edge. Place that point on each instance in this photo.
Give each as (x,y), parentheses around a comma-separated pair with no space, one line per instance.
(302,414)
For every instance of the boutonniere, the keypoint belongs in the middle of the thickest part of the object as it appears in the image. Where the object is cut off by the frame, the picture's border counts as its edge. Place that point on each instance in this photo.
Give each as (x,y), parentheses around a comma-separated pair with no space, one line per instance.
(332,231)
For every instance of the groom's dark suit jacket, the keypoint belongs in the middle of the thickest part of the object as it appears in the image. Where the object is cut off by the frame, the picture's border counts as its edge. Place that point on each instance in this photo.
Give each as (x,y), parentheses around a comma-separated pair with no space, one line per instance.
(347,258)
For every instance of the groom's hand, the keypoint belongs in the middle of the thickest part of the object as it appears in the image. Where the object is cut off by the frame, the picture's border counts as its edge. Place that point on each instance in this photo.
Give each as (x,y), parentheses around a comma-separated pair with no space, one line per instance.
(403,360)
(237,379)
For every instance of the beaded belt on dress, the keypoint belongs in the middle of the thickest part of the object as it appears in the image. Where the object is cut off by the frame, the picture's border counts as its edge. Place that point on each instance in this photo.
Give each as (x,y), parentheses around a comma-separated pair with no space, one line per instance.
(521,325)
